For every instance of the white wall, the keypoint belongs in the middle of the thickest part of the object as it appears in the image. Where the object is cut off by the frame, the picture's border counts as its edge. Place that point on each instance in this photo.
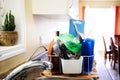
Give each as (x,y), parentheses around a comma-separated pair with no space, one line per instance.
(47,25)
(43,26)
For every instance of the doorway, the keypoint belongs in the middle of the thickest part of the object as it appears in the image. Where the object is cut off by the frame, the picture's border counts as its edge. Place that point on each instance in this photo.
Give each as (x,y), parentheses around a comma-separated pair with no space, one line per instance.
(99,22)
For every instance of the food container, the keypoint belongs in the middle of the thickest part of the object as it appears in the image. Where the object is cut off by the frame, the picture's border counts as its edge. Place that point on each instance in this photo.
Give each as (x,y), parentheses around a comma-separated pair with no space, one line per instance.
(72,66)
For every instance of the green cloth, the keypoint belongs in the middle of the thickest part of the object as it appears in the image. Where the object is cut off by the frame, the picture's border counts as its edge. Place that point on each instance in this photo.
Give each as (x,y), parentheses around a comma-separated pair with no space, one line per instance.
(72,43)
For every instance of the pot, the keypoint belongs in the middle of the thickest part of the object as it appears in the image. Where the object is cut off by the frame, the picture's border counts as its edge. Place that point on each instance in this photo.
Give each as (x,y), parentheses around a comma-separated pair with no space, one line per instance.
(8,38)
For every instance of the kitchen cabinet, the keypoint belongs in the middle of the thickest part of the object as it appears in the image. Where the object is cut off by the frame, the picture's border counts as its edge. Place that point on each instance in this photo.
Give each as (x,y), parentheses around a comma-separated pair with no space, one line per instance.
(50,7)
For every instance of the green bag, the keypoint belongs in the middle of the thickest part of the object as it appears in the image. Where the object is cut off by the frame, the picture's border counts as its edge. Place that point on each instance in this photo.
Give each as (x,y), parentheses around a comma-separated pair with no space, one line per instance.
(72,43)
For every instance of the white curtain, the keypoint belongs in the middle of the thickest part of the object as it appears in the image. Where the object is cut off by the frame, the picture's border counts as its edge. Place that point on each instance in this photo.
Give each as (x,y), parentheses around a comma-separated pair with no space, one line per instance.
(99,22)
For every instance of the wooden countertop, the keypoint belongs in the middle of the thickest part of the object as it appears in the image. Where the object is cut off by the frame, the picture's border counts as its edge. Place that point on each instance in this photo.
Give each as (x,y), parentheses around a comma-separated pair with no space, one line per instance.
(93,74)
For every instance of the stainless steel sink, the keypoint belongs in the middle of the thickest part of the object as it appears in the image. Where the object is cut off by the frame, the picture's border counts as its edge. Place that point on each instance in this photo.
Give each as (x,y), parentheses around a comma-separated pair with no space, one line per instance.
(59,78)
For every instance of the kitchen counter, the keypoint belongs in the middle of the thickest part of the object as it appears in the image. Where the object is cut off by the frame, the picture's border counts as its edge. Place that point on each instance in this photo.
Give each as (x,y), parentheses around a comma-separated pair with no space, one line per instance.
(56,75)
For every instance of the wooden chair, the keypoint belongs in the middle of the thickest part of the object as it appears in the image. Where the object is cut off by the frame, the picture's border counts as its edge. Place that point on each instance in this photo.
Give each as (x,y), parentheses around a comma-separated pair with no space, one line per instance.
(114,53)
(107,53)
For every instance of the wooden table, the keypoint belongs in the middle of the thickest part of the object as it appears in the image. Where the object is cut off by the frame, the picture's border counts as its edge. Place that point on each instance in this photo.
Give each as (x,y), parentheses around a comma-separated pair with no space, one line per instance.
(119,56)
(117,40)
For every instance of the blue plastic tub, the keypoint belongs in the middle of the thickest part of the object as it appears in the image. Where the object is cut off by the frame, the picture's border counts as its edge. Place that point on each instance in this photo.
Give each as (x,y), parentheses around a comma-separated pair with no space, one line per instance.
(87,47)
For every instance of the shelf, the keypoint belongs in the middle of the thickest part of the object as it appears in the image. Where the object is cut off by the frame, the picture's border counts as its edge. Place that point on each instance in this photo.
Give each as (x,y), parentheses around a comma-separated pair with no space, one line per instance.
(7,52)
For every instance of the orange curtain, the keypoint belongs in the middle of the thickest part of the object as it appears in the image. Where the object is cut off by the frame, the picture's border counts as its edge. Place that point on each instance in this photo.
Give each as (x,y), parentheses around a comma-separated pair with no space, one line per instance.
(83,12)
(116,19)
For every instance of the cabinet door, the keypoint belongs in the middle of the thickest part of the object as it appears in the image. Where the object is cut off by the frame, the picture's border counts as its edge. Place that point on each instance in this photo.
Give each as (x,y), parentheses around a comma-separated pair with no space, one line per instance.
(50,6)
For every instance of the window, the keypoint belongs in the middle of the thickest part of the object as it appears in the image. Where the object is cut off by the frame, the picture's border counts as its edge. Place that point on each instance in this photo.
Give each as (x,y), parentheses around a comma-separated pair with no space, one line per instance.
(18,9)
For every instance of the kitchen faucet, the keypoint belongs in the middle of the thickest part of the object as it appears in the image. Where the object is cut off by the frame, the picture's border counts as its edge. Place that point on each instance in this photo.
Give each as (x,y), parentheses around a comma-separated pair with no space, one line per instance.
(37,62)
(44,65)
